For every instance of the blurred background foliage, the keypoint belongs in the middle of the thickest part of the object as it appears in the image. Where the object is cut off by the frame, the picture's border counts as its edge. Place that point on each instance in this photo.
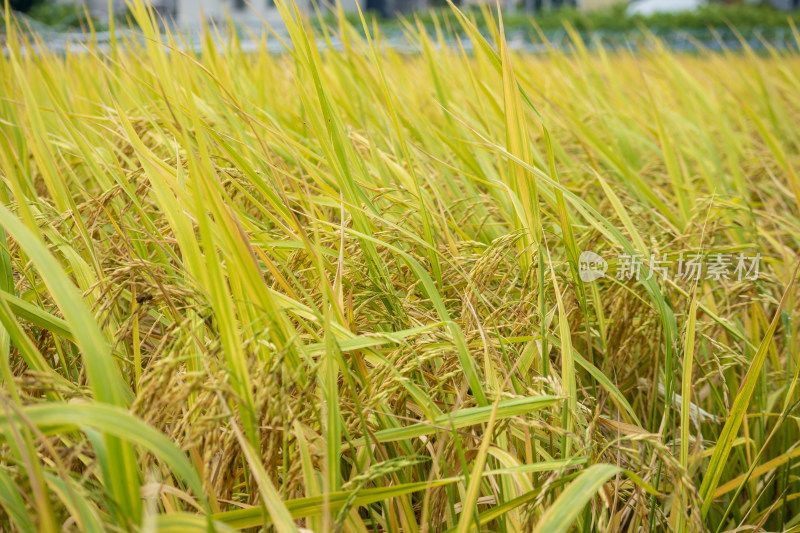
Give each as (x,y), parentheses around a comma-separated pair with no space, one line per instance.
(741,15)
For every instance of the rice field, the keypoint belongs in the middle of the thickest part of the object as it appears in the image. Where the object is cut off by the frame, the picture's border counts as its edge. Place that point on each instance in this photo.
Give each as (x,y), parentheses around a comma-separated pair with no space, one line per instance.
(348,289)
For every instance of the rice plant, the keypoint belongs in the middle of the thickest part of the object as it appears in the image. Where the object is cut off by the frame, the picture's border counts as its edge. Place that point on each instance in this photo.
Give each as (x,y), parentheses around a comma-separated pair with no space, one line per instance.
(345,288)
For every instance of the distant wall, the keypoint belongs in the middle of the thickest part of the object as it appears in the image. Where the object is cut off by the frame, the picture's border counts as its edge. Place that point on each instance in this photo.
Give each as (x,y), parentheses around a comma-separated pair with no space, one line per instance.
(98,8)
(190,13)
(589,5)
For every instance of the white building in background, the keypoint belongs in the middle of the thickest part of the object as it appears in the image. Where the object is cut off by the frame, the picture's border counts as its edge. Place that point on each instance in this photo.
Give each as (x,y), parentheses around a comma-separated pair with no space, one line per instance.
(191,13)
(249,13)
